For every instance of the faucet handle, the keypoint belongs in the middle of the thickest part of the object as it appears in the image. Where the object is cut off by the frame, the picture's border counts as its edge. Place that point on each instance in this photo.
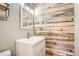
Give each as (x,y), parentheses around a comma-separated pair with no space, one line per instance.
(27,34)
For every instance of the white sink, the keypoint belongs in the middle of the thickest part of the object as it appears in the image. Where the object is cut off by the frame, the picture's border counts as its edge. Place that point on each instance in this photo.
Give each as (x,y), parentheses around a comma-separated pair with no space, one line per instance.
(34,46)
(32,40)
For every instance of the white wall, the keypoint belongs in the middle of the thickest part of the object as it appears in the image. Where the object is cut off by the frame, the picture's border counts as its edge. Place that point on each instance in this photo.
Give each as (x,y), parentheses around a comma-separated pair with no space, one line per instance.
(10,30)
(76,29)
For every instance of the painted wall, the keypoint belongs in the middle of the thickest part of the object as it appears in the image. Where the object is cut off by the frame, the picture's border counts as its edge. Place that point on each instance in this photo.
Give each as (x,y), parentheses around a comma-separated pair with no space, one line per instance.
(10,30)
(77,29)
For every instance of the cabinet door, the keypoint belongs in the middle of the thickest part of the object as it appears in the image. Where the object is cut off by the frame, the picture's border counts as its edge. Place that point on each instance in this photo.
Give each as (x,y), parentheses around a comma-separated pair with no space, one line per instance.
(39,49)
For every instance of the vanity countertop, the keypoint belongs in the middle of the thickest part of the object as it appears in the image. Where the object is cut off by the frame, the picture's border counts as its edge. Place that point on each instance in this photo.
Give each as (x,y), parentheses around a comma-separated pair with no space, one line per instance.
(32,40)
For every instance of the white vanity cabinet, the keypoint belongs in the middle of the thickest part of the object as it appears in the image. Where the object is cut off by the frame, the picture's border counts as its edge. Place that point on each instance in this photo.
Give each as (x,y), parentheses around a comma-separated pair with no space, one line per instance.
(34,46)
(39,49)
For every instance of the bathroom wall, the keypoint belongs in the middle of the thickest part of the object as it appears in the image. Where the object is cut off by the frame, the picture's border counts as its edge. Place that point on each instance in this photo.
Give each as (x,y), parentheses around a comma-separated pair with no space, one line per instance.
(56,23)
(77,29)
(10,29)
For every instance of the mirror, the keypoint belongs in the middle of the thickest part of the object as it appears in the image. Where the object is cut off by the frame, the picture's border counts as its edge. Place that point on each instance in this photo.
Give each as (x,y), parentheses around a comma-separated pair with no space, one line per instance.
(27,16)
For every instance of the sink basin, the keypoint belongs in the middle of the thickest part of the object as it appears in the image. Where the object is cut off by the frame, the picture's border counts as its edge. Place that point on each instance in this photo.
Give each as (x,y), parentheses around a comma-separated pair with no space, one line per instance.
(32,40)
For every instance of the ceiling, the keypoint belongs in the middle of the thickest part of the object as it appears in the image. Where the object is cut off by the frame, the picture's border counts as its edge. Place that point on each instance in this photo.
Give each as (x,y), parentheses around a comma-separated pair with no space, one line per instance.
(46,5)
(35,5)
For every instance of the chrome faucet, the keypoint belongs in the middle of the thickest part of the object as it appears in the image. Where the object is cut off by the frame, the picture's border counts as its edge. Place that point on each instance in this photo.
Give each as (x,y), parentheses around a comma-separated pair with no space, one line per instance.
(28,35)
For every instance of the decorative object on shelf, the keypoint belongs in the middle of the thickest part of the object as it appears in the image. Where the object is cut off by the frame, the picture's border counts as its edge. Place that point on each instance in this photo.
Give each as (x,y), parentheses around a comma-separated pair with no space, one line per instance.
(4,11)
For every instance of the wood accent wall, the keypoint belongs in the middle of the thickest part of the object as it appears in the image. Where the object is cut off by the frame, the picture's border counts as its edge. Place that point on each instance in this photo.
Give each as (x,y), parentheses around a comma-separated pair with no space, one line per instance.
(57,25)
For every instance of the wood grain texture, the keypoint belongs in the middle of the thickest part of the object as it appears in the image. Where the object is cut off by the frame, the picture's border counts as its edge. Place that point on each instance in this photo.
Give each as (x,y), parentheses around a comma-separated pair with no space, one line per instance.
(59,52)
(57,26)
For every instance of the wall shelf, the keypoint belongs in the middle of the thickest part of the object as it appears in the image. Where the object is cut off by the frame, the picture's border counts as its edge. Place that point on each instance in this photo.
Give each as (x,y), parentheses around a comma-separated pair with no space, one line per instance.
(4,11)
